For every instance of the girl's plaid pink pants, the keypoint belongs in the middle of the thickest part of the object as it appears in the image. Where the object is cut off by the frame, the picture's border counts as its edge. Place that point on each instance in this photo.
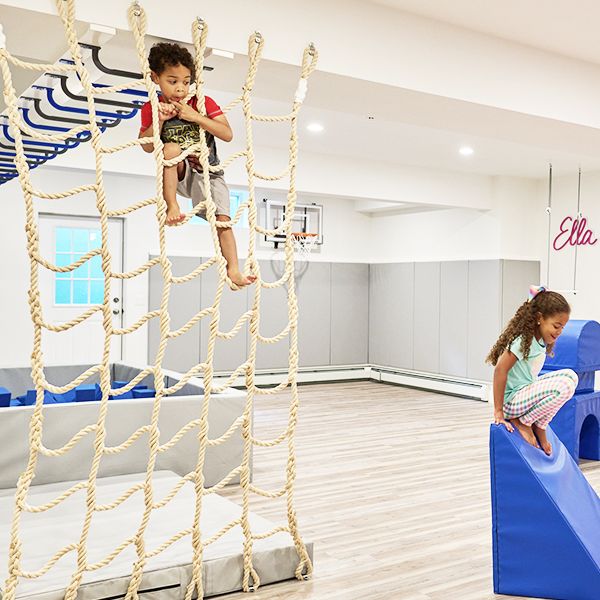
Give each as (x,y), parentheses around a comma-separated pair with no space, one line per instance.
(540,401)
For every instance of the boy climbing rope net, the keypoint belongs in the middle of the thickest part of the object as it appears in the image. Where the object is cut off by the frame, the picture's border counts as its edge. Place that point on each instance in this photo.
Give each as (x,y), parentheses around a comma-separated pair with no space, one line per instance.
(181,124)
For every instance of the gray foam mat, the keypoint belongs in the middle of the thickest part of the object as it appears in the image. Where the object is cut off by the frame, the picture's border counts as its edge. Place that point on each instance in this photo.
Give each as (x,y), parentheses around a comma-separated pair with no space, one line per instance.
(167,574)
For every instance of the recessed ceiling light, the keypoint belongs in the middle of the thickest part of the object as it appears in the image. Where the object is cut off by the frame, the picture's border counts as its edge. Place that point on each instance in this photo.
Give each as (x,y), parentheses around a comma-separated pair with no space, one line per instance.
(223,53)
(466,151)
(315,127)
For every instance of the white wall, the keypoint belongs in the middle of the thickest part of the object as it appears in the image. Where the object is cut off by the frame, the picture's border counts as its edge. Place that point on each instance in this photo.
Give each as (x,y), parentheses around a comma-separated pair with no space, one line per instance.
(347,240)
(510,229)
(513,228)
(349,236)
(562,263)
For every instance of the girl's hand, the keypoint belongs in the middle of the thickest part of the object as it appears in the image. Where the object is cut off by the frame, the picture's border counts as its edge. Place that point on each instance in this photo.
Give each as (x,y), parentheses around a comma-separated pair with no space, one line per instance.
(166,112)
(500,420)
(185,111)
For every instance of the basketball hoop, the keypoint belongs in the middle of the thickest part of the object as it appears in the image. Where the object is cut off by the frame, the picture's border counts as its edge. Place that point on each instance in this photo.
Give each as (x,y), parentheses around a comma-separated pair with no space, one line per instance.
(304,244)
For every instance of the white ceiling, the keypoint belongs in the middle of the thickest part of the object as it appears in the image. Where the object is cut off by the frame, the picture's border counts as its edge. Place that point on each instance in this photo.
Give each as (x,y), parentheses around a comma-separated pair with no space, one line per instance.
(567,27)
(409,128)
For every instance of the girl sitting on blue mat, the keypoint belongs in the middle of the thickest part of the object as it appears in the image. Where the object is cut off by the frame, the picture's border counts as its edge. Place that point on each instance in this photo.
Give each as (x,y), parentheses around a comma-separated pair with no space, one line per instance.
(521,398)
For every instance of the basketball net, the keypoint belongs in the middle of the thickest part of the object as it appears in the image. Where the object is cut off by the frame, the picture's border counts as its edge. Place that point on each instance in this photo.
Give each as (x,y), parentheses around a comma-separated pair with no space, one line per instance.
(304,244)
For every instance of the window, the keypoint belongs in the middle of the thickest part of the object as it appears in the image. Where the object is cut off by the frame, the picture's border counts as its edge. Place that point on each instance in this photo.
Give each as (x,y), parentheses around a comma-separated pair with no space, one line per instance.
(84,285)
(236,197)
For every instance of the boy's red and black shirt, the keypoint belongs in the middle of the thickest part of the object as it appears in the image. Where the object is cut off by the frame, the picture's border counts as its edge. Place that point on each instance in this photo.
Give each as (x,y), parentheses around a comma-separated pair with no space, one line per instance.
(182,132)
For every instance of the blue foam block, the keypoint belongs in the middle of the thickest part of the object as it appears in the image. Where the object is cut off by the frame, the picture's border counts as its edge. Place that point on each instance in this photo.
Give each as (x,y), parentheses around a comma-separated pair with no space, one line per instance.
(49,398)
(88,393)
(30,397)
(120,384)
(545,519)
(576,424)
(577,348)
(5,396)
(143,393)
(69,396)
(127,395)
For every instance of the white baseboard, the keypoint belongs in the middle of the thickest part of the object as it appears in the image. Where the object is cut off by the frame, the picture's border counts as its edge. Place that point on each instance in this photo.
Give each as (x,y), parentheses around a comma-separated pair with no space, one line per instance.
(417,379)
(435,383)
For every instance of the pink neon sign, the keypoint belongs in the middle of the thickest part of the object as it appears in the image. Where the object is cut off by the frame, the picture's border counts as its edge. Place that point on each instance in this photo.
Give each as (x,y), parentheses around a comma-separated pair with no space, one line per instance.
(574,232)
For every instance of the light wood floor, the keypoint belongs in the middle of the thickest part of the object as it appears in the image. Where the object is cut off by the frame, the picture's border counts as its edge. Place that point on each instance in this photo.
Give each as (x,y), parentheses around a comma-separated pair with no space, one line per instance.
(392,489)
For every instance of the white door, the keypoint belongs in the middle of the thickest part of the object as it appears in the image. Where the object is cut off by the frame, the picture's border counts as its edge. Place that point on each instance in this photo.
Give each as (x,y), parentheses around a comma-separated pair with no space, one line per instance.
(63,240)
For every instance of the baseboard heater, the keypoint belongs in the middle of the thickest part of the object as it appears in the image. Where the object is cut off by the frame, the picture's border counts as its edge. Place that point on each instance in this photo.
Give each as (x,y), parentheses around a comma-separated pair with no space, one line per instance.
(455,386)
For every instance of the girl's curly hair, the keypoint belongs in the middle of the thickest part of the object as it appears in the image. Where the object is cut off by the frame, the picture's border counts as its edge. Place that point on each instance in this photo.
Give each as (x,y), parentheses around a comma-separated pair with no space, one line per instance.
(163,55)
(524,322)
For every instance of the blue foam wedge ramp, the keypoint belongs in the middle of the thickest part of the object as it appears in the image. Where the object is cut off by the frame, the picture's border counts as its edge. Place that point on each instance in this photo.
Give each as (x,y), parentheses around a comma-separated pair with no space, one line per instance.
(545,521)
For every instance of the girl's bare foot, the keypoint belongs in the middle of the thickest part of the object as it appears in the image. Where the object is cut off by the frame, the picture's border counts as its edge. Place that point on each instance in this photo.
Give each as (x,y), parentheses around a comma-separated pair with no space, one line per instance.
(239,279)
(542,439)
(526,431)
(174,215)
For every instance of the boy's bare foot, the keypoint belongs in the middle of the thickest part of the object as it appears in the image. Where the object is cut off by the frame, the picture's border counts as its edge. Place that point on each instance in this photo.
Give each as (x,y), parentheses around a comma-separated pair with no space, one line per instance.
(526,431)
(542,439)
(240,279)
(174,215)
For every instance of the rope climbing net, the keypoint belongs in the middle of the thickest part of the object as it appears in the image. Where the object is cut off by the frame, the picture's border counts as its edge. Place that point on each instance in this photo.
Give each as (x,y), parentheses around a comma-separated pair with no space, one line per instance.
(250,319)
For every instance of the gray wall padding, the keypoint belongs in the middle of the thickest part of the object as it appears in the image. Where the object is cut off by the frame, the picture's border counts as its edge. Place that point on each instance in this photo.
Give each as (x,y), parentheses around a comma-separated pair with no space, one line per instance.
(517,275)
(18,379)
(484,317)
(391,315)
(314,318)
(123,372)
(229,354)
(426,343)
(349,313)
(183,352)
(273,318)
(454,317)
(62,421)
(437,317)
(333,328)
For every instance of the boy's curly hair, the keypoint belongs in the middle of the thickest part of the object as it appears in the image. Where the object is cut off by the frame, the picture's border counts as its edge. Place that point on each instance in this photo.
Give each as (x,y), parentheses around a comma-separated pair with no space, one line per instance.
(163,55)
(524,322)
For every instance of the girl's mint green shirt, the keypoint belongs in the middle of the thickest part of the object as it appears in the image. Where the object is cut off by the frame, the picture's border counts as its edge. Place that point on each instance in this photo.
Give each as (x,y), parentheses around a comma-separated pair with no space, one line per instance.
(524,372)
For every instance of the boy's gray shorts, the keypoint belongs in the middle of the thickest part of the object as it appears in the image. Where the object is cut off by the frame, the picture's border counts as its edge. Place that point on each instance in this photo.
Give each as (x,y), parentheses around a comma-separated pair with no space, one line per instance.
(192,186)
